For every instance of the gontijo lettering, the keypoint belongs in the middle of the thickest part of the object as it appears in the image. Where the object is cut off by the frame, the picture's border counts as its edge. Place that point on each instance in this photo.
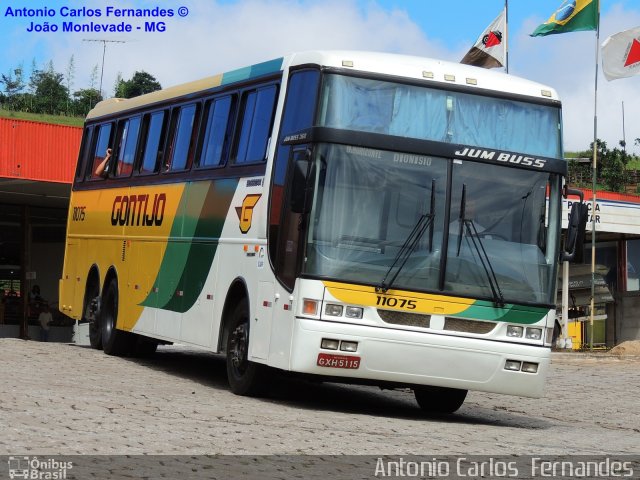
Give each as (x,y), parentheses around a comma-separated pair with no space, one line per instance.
(138,210)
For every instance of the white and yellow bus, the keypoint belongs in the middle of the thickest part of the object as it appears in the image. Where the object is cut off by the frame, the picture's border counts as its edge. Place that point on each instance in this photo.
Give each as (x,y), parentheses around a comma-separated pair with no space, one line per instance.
(355,216)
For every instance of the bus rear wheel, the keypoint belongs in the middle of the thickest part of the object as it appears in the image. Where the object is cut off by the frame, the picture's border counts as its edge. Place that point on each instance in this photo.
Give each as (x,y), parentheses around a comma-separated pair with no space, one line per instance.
(439,399)
(114,341)
(92,315)
(245,377)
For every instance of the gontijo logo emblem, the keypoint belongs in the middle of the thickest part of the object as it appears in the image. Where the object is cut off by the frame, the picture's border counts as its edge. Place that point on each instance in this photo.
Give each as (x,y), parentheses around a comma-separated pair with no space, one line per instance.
(245,212)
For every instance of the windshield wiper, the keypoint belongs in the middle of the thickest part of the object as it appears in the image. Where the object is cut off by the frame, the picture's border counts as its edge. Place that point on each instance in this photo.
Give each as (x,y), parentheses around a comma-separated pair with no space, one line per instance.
(474,235)
(425,221)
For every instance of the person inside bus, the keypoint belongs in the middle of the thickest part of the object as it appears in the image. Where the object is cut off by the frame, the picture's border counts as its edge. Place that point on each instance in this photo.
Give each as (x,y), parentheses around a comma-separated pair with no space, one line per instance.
(101,169)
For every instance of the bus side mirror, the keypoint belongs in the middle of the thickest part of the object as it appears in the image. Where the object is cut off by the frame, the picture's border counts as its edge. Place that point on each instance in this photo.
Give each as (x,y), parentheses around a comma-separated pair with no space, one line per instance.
(300,200)
(574,240)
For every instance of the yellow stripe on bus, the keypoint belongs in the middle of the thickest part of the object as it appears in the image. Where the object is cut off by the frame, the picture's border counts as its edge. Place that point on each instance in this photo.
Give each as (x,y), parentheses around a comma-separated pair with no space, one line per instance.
(398,299)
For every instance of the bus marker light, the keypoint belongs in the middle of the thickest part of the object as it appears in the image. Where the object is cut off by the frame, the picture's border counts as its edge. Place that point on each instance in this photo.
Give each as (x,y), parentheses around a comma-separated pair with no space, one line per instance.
(513,365)
(338,361)
(514,331)
(286,306)
(450,78)
(333,310)
(329,344)
(310,307)
(209,296)
(347,63)
(349,346)
(533,333)
(245,248)
(426,74)
(529,367)
(353,312)
(472,81)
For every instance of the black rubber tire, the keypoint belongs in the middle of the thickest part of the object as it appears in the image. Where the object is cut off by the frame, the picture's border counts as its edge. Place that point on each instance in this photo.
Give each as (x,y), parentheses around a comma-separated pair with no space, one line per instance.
(245,377)
(439,399)
(95,329)
(114,341)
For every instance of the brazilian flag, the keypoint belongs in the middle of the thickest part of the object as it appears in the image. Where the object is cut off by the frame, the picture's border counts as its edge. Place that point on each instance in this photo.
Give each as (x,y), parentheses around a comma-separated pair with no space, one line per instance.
(572,16)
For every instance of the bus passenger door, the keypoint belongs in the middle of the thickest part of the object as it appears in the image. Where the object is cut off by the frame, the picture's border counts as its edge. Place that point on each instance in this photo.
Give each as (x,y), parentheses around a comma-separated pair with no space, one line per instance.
(260,329)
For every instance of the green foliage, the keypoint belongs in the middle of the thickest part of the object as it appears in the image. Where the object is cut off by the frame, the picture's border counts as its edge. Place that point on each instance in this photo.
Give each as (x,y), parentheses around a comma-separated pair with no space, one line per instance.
(612,167)
(51,95)
(13,84)
(49,92)
(141,83)
(39,117)
(84,100)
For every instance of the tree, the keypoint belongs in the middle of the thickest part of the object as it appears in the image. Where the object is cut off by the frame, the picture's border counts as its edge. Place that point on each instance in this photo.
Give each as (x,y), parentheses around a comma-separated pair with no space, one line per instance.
(141,83)
(50,93)
(84,100)
(611,166)
(13,85)
(71,73)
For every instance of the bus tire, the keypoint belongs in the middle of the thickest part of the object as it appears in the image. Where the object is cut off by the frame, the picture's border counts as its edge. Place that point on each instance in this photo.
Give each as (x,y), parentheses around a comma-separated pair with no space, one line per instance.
(439,399)
(92,315)
(114,341)
(245,377)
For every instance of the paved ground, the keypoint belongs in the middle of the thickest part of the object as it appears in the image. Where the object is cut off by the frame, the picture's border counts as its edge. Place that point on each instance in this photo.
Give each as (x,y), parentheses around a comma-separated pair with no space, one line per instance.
(64,399)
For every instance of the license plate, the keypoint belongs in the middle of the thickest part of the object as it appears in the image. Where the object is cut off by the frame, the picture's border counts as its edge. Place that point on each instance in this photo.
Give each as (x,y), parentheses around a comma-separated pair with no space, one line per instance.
(338,361)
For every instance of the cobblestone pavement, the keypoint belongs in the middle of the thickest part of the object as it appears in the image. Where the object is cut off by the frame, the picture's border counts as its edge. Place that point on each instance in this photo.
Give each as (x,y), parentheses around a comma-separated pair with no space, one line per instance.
(65,399)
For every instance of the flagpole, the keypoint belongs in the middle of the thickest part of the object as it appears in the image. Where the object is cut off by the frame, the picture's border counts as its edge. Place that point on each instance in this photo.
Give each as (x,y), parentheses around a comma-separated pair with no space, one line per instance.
(506,34)
(594,179)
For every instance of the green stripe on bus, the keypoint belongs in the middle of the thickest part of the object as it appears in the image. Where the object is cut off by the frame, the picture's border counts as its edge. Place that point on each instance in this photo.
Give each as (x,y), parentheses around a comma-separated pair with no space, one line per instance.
(187,261)
(483,310)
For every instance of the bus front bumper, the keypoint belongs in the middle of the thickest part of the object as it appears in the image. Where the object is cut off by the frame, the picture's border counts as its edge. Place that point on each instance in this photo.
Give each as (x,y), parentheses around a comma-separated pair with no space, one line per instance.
(418,358)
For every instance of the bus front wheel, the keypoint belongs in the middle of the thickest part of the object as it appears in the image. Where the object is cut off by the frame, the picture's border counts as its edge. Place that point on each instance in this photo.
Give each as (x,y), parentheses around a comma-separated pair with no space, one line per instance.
(245,377)
(439,399)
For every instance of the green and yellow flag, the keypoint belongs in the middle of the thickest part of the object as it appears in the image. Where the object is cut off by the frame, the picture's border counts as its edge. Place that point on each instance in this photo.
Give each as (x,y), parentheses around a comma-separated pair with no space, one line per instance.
(572,16)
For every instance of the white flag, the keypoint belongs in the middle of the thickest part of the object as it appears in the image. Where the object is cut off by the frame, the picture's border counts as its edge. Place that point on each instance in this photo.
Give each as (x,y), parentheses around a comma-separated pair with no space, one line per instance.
(621,54)
(489,51)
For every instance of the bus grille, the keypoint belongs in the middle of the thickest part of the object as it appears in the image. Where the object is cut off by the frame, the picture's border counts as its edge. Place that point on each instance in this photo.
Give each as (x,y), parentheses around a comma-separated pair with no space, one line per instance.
(404,318)
(467,326)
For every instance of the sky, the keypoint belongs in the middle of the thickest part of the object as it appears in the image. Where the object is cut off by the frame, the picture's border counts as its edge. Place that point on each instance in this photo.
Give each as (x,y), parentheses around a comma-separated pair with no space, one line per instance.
(213,36)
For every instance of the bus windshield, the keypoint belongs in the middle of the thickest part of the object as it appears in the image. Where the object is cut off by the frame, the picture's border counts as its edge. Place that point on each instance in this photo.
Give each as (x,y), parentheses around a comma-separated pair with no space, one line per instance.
(388,108)
(367,203)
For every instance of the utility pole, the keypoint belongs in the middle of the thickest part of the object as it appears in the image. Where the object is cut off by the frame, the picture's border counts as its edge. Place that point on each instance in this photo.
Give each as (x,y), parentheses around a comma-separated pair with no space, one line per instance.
(624,137)
(104,51)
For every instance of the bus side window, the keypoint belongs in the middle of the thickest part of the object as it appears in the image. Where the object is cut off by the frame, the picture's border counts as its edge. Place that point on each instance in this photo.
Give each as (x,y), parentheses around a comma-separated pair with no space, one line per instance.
(127,141)
(153,140)
(217,132)
(183,135)
(258,107)
(101,144)
(84,153)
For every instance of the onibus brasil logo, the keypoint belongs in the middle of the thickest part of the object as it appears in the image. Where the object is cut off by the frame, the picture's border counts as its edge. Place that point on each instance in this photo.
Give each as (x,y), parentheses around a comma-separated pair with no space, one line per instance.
(38,469)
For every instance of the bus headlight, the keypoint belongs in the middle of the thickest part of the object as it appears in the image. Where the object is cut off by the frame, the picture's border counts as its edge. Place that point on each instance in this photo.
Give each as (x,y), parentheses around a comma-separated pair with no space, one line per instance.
(333,310)
(514,331)
(353,312)
(533,333)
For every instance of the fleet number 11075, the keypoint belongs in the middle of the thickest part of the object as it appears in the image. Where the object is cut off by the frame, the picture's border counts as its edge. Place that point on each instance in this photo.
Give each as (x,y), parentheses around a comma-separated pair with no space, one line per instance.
(395,302)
